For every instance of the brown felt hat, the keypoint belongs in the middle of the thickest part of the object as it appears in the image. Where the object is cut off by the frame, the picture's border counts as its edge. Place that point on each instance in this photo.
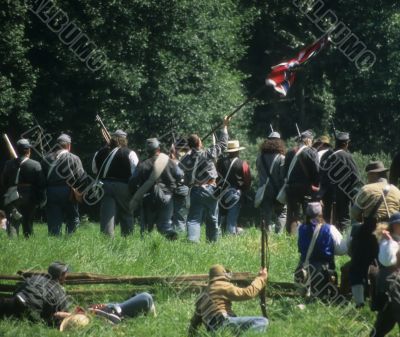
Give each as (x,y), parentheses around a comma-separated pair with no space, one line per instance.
(376,167)
(218,272)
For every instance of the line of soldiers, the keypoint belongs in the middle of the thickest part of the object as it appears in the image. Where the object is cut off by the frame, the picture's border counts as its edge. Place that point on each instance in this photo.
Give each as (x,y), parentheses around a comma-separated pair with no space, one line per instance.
(162,185)
(311,171)
(209,182)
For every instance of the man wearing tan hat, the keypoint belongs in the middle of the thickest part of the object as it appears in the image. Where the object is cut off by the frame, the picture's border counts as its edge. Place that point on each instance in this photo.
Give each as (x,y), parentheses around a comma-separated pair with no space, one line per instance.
(375,202)
(322,145)
(214,305)
(234,179)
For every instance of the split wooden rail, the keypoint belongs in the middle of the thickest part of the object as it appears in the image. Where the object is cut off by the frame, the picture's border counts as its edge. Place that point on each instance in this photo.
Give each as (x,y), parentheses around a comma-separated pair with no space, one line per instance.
(82,283)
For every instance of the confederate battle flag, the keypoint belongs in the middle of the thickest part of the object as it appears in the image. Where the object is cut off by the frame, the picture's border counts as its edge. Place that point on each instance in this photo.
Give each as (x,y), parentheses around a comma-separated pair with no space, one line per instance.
(283,75)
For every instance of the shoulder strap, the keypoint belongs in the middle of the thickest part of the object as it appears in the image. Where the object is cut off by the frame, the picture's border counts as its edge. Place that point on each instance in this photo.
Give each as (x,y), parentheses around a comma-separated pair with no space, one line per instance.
(269,172)
(193,178)
(108,161)
(54,163)
(159,166)
(385,192)
(230,168)
(19,170)
(312,244)
(104,163)
(294,160)
(382,199)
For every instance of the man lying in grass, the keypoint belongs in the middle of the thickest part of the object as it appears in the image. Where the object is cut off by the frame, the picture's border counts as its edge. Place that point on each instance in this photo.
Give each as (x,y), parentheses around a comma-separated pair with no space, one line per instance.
(42,298)
(114,312)
(39,297)
(214,305)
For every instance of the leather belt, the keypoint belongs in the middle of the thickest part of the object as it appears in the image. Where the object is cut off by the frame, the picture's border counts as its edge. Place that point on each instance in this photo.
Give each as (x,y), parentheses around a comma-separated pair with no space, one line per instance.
(24,185)
(211,182)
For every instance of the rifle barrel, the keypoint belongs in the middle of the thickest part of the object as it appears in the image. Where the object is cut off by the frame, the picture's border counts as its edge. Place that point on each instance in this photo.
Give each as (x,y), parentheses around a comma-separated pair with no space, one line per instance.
(298,130)
(9,146)
(236,110)
(104,130)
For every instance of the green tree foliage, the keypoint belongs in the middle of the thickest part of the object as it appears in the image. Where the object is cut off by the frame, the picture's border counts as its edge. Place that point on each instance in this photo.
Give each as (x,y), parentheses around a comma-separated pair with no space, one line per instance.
(169,65)
(17,76)
(181,65)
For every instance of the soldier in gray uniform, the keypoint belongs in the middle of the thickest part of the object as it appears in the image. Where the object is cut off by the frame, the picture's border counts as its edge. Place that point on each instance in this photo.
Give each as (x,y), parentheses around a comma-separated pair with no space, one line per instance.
(114,165)
(201,175)
(27,175)
(157,205)
(271,168)
(63,171)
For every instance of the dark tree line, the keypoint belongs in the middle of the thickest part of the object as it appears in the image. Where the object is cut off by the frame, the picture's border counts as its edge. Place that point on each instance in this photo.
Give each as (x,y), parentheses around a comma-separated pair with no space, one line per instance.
(181,65)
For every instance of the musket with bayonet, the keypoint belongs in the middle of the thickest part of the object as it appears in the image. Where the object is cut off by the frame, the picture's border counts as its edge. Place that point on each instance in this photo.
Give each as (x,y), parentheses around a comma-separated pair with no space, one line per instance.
(9,146)
(333,216)
(298,131)
(104,131)
(264,264)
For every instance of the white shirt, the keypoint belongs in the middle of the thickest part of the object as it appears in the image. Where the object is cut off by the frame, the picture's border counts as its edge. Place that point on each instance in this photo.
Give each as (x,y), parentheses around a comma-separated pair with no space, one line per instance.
(133,160)
(340,244)
(321,153)
(388,250)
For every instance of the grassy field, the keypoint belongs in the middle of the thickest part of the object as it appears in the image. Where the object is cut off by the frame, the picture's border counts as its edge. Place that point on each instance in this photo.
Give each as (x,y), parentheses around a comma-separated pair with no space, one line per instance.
(88,251)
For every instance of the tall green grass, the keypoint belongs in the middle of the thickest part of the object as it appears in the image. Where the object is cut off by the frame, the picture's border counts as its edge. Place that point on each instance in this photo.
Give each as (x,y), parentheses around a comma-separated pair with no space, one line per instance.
(88,251)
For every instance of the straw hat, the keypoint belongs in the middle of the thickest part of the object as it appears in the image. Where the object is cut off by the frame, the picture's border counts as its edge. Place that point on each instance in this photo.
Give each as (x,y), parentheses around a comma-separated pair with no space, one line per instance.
(234,146)
(75,321)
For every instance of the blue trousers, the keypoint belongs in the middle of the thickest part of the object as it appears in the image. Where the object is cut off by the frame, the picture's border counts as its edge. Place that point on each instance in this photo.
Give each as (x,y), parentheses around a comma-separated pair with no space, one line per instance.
(241,324)
(139,304)
(230,209)
(180,213)
(153,213)
(203,205)
(59,208)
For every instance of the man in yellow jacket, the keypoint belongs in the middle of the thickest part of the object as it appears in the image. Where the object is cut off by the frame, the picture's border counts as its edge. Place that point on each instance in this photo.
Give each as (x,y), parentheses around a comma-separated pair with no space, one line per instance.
(214,305)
